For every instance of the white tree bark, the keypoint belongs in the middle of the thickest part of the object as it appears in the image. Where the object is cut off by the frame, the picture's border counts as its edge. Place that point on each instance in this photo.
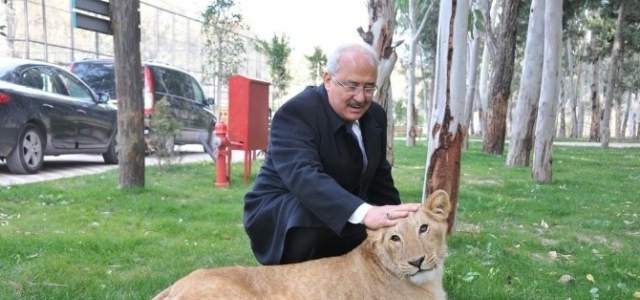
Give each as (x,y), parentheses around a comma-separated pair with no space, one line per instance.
(416,30)
(605,127)
(545,124)
(582,88)
(382,24)
(483,82)
(572,91)
(472,81)
(447,128)
(625,118)
(526,111)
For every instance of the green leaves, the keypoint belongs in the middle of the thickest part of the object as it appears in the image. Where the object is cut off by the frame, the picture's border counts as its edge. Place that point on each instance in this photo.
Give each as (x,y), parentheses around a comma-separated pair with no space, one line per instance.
(277,51)
(224,47)
(317,62)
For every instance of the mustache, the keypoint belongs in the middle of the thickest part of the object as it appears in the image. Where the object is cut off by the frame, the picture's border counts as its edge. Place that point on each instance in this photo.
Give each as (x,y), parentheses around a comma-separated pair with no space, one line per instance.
(356,104)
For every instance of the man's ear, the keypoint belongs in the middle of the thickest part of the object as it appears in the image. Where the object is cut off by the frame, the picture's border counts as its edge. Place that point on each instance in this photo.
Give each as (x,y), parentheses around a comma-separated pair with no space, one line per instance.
(326,78)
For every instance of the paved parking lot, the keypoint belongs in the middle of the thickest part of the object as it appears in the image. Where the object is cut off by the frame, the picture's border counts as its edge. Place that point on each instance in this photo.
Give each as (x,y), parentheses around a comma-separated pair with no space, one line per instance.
(56,167)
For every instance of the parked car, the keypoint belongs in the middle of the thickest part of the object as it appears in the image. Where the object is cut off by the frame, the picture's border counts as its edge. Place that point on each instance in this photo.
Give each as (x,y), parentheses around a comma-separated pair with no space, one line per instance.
(46,110)
(188,103)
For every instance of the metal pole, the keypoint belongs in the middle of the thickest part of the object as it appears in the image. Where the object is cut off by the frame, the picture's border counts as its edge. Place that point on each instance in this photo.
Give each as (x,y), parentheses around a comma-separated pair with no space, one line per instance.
(26,28)
(72,40)
(44,31)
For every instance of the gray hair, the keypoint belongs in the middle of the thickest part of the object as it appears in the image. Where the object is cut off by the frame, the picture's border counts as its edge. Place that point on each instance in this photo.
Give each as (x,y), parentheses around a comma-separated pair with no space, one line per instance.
(333,62)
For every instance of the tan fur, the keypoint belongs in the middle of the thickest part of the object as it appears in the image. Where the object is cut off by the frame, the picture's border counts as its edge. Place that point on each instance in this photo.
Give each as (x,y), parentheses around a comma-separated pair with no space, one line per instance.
(377,269)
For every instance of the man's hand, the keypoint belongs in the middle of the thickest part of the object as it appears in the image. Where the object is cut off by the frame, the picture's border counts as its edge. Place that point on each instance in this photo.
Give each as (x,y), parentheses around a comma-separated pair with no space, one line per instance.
(388,215)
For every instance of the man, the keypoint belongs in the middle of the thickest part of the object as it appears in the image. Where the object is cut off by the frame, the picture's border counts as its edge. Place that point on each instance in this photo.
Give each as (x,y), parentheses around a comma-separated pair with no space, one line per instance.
(325,178)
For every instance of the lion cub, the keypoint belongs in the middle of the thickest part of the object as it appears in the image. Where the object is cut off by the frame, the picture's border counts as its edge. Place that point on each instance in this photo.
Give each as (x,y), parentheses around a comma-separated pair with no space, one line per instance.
(405,261)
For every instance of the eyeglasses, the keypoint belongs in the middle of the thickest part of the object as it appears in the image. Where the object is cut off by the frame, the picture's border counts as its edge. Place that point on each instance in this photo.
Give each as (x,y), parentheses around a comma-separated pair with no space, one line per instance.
(355,89)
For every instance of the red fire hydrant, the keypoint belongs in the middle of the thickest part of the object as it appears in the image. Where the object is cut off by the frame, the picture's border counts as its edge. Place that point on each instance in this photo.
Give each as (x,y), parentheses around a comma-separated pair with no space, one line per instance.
(223,152)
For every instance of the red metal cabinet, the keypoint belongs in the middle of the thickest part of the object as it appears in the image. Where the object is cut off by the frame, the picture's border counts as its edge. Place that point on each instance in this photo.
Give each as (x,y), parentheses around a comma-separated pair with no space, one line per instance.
(248,118)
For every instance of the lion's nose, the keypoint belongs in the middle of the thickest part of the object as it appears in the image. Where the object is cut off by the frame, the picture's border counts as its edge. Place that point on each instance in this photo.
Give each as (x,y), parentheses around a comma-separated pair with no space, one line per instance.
(417,263)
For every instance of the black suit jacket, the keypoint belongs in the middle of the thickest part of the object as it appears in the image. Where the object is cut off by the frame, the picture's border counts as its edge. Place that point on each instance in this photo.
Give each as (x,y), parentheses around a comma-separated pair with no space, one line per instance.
(313,173)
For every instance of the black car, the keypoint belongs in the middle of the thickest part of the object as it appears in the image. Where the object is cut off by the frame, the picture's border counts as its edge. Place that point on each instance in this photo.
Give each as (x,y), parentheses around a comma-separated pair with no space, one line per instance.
(189,105)
(46,110)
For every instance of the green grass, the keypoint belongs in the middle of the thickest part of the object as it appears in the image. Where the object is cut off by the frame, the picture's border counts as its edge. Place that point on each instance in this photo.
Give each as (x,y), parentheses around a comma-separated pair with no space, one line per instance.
(83,238)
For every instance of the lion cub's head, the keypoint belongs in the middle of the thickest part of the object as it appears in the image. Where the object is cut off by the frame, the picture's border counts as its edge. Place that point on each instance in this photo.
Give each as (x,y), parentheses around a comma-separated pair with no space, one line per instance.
(416,247)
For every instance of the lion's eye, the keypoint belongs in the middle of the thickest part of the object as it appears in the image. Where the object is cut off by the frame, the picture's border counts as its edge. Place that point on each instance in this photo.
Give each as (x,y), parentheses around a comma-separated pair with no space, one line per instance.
(395,238)
(424,228)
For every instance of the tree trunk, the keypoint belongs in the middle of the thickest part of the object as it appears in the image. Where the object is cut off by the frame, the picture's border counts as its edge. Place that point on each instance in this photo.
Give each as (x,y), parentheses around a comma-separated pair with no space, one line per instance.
(581,83)
(572,91)
(543,157)
(447,128)
(502,74)
(562,128)
(594,132)
(625,118)
(616,53)
(485,70)
(416,30)
(635,132)
(426,87)
(524,122)
(125,18)
(472,80)
(382,24)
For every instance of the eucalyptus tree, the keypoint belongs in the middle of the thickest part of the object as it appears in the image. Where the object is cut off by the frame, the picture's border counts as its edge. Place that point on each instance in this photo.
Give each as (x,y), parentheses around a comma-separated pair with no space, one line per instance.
(317,61)
(490,17)
(616,52)
(447,128)
(526,112)
(472,73)
(382,25)
(599,31)
(224,47)
(625,42)
(545,123)
(502,46)
(417,13)
(425,63)
(278,52)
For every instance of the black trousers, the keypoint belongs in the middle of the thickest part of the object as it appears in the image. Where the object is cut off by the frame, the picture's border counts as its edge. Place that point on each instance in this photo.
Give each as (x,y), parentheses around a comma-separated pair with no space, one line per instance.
(303,243)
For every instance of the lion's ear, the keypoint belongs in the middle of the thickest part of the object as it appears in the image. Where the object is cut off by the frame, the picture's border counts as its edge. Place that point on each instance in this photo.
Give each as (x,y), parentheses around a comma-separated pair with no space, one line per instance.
(438,203)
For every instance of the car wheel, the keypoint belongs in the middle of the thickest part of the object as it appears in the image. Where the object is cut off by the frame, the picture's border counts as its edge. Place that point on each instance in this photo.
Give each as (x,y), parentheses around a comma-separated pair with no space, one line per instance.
(111,156)
(28,155)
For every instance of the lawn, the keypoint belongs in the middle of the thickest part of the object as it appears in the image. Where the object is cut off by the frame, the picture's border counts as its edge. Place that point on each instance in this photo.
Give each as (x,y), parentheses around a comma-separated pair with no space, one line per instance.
(83,238)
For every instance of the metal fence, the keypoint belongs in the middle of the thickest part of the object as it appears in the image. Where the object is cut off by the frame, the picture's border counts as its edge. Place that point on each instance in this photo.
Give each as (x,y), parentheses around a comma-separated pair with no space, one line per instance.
(42,30)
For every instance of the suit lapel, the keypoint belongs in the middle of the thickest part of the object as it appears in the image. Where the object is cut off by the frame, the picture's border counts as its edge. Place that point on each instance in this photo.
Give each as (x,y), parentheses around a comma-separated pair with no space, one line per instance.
(371,137)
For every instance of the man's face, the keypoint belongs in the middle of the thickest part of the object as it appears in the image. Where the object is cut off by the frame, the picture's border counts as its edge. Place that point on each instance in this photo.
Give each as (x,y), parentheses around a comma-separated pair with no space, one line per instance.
(351,89)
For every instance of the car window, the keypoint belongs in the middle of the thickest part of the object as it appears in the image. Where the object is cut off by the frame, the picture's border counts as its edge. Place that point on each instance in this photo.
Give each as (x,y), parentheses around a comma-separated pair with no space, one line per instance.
(198,95)
(41,79)
(174,82)
(100,76)
(178,83)
(157,75)
(75,88)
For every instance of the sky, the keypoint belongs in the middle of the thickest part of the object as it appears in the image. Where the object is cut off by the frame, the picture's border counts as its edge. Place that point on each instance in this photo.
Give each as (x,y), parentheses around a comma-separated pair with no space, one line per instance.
(326,23)
(306,24)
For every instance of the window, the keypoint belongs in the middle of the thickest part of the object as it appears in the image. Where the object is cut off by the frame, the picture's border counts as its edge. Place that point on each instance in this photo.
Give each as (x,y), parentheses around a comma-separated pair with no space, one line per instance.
(40,79)
(100,76)
(198,95)
(75,88)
